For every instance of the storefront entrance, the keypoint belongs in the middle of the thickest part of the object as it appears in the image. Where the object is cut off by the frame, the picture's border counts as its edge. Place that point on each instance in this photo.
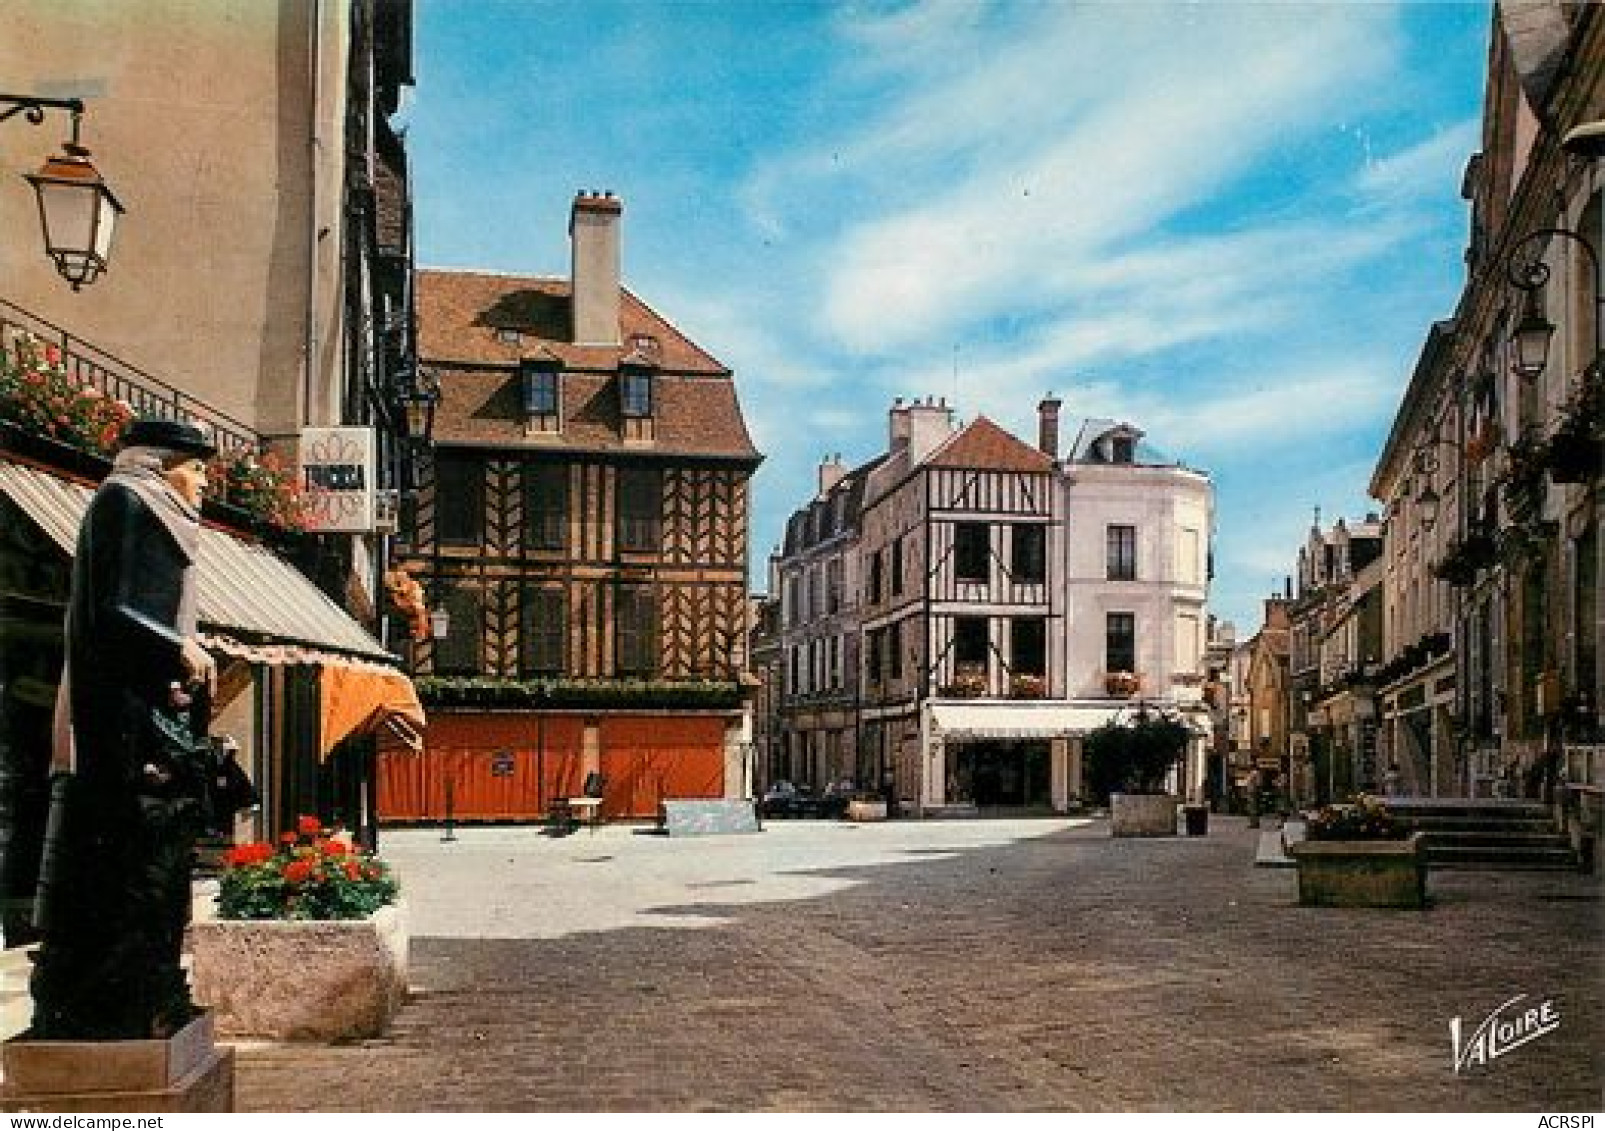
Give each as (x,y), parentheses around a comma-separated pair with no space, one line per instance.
(1000,774)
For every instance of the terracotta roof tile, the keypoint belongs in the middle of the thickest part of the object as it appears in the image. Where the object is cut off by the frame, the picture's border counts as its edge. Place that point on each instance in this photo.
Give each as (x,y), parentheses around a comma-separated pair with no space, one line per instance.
(459,313)
(983,445)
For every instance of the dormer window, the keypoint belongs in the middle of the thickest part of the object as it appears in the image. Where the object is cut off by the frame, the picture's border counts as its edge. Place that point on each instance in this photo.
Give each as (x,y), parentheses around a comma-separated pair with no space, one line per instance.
(635,393)
(1122,448)
(508,336)
(542,396)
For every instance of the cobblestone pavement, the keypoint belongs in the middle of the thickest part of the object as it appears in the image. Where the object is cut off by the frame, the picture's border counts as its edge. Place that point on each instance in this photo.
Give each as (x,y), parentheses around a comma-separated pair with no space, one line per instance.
(1028,967)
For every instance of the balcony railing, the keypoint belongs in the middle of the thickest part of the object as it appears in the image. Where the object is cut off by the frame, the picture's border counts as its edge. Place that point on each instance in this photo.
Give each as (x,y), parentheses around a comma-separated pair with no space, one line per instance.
(147,395)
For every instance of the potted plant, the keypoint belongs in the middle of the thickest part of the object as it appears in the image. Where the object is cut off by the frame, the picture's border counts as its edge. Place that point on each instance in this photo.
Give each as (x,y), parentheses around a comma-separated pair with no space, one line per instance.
(969,682)
(261,487)
(1573,451)
(1359,855)
(308,943)
(1132,763)
(1524,475)
(1121,685)
(57,415)
(1027,685)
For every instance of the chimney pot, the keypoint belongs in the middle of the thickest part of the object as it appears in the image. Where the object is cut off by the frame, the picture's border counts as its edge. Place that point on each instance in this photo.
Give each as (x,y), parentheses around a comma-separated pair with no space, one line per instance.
(1048,426)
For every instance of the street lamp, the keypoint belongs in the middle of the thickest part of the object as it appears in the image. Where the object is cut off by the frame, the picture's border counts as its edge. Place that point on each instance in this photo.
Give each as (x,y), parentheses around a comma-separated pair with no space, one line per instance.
(419,399)
(1428,501)
(1532,335)
(77,210)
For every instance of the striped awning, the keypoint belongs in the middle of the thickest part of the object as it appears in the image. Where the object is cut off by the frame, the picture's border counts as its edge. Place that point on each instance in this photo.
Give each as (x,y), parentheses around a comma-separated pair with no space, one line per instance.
(1045,718)
(243,588)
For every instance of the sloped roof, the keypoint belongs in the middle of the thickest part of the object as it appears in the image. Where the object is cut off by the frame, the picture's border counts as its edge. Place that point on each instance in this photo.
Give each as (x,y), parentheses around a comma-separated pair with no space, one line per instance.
(461,319)
(983,445)
(461,315)
(1096,428)
(850,490)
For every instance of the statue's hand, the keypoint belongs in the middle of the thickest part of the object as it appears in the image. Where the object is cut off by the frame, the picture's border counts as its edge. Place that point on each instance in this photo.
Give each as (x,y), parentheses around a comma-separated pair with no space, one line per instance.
(199,667)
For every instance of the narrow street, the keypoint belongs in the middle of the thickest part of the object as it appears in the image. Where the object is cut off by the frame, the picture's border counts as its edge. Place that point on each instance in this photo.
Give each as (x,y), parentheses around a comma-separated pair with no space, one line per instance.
(964,965)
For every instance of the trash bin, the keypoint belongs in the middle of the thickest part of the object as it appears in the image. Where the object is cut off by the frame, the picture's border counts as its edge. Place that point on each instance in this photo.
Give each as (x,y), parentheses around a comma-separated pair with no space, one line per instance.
(1197,819)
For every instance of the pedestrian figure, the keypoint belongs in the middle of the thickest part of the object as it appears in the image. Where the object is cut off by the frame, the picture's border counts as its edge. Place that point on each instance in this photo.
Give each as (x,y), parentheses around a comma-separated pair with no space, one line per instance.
(130,758)
(1392,780)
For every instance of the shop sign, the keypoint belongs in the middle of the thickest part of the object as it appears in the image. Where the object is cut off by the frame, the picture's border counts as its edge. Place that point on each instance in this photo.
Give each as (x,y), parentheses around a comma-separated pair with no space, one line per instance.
(337,474)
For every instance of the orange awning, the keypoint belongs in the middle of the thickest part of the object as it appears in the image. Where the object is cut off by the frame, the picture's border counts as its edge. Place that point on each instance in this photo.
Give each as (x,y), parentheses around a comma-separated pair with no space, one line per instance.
(358,698)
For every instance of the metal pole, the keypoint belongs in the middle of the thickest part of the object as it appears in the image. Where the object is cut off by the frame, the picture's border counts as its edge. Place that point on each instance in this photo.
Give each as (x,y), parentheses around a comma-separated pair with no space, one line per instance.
(451,801)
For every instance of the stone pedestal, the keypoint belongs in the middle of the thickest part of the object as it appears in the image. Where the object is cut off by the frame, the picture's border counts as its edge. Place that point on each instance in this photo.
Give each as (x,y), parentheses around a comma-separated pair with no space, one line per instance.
(185,1073)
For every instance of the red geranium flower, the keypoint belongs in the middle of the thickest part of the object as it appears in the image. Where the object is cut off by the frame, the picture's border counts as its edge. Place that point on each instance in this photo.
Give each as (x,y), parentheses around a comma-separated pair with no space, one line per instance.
(247,854)
(308,826)
(297,871)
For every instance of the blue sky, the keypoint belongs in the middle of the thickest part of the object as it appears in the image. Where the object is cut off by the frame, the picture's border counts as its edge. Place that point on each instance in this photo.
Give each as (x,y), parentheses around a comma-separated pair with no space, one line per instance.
(1230,224)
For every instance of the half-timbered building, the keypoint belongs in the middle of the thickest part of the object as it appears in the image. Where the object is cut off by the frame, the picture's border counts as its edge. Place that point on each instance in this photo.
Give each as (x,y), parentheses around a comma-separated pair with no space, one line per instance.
(583,524)
(960,533)
(1008,603)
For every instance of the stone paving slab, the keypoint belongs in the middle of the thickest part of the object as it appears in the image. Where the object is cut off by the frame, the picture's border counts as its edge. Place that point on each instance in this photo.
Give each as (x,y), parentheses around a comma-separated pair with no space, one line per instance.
(949,966)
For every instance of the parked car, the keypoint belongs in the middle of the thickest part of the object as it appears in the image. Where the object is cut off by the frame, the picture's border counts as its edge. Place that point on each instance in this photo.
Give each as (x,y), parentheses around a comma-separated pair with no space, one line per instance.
(783,799)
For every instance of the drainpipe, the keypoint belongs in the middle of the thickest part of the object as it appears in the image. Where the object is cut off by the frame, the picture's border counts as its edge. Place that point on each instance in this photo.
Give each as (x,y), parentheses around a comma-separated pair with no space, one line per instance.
(315,147)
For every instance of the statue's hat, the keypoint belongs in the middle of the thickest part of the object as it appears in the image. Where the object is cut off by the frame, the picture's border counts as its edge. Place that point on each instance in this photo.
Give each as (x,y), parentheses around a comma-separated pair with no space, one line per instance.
(176,435)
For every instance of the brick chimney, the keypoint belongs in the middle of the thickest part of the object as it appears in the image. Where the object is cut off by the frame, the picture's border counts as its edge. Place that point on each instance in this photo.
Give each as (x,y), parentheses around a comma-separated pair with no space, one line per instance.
(593,230)
(1048,426)
(831,472)
(929,423)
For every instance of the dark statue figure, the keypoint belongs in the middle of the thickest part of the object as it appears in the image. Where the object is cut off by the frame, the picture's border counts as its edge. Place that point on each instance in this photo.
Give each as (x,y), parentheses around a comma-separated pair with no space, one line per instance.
(131,760)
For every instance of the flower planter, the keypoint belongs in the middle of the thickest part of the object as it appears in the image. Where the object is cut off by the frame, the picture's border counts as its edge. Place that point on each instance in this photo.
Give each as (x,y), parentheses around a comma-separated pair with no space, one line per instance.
(1142,814)
(1361,873)
(301,980)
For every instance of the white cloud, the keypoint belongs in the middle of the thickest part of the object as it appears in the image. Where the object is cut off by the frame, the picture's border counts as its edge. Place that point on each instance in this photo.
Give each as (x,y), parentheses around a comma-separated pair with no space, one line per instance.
(1430,168)
(1057,169)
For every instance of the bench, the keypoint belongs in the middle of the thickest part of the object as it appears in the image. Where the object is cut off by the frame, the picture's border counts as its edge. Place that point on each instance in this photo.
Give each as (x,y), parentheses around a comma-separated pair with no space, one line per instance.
(565,814)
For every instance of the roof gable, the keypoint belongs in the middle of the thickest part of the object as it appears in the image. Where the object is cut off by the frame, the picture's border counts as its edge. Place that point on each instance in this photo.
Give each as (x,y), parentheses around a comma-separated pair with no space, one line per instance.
(982,445)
